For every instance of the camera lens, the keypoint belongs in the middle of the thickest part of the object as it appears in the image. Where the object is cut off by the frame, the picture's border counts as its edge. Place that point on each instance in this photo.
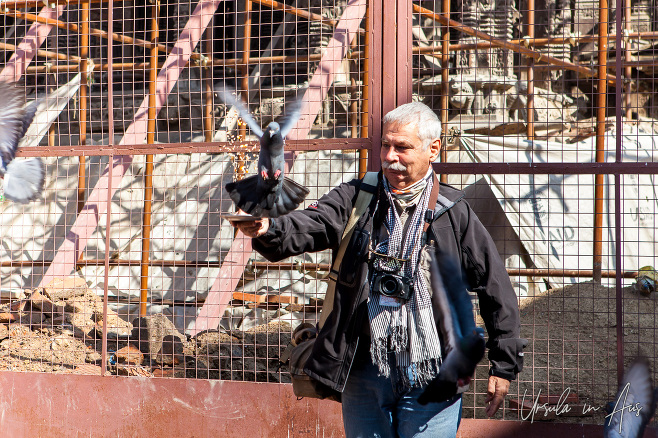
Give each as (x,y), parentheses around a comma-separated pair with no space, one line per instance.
(389,286)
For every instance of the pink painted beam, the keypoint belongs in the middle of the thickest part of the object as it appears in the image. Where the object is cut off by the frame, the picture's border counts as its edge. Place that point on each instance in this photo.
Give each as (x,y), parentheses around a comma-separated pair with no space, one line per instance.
(87,221)
(332,58)
(221,291)
(27,49)
(229,274)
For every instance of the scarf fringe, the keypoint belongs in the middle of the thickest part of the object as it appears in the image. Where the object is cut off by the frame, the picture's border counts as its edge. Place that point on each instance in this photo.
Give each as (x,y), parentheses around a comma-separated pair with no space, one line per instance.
(379,355)
(419,374)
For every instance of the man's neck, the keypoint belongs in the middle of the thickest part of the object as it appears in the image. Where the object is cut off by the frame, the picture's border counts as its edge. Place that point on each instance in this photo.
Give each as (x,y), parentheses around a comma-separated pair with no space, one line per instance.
(412,190)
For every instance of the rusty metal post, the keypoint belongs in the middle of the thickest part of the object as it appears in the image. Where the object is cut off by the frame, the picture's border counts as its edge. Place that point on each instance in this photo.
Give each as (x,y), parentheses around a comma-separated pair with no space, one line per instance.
(389,62)
(246,50)
(208,125)
(530,72)
(365,95)
(84,53)
(148,172)
(353,107)
(627,58)
(404,58)
(52,127)
(619,302)
(106,273)
(376,82)
(601,101)
(110,121)
(445,73)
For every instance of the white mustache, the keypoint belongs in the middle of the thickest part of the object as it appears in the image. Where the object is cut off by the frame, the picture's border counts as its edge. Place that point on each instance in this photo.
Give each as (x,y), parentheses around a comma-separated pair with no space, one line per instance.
(394,166)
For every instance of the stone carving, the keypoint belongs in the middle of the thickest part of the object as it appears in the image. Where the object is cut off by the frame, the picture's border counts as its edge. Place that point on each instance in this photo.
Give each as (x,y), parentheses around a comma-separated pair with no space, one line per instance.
(461,96)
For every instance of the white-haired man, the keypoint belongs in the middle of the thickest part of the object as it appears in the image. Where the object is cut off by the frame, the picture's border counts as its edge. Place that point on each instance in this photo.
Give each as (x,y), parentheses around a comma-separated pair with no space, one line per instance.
(379,351)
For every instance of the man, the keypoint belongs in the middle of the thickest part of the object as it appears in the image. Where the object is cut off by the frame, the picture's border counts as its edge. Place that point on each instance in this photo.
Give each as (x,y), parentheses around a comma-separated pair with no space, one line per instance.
(380,351)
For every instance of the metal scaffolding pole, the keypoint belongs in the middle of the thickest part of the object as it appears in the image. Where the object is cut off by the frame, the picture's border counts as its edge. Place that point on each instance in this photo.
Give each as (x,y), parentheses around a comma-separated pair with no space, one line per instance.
(84,53)
(148,171)
(601,103)
(530,72)
(445,89)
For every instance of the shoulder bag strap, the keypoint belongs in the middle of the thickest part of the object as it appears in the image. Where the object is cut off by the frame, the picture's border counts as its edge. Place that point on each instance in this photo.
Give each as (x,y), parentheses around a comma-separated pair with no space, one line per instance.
(366,192)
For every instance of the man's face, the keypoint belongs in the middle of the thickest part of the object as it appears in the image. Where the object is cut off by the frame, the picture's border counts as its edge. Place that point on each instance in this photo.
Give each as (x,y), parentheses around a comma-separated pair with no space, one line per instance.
(404,160)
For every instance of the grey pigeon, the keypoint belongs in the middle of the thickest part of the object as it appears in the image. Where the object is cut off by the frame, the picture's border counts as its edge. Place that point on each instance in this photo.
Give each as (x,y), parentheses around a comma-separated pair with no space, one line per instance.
(465,340)
(270,193)
(631,411)
(23,179)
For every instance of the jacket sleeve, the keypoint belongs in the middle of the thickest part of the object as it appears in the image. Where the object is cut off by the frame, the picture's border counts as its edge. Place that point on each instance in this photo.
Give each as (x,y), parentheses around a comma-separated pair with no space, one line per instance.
(318,227)
(499,308)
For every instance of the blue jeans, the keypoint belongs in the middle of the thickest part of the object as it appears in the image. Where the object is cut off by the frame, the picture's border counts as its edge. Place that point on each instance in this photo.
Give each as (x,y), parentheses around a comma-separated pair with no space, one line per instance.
(374,406)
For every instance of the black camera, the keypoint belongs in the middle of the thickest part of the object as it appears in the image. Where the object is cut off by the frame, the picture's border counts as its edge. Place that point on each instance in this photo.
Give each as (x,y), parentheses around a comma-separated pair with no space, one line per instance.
(392,285)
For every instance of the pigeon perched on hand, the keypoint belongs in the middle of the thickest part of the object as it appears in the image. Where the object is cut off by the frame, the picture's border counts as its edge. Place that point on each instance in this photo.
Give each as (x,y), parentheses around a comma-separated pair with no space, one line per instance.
(465,339)
(635,404)
(23,179)
(270,193)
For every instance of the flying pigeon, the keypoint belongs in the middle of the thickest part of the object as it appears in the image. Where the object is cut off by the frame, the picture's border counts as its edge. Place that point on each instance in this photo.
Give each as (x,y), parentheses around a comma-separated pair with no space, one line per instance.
(23,179)
(463,337)
(635,404)
(270,193)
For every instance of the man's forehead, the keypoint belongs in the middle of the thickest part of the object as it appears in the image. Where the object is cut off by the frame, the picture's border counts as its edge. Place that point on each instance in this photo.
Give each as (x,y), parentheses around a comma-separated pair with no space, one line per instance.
(400,129)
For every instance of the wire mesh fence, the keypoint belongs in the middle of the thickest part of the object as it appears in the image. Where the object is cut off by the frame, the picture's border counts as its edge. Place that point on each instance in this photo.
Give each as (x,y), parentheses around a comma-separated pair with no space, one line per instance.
(127,265)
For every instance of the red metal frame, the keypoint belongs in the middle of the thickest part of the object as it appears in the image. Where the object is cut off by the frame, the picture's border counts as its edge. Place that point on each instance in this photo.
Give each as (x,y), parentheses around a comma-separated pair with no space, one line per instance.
(100,406)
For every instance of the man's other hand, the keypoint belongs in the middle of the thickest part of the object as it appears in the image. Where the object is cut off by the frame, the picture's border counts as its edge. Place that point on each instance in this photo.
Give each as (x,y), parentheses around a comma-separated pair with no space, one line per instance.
(496,392)
(255,228)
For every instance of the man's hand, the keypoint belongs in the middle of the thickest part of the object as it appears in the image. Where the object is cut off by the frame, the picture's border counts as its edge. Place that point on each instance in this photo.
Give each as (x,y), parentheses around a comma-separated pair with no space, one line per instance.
(496,392)
(255,228)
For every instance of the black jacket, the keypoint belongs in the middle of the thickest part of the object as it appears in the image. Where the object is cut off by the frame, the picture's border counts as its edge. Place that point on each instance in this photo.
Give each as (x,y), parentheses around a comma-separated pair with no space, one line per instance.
(459,234)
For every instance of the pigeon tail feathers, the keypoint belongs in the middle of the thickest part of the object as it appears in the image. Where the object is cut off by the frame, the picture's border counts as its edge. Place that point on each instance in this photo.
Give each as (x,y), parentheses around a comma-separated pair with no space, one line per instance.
(246,194)
(249,196)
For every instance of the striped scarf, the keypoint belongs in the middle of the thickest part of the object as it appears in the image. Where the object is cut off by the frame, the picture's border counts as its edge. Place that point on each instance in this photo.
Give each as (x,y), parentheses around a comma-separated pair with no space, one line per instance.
(406,328)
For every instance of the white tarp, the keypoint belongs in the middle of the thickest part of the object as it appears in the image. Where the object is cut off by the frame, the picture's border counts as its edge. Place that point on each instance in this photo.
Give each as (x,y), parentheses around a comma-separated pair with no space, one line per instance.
(552,216)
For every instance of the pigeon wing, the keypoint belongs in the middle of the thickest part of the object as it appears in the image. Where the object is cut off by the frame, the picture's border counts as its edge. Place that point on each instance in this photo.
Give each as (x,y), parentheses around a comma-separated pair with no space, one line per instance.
(289,196)
(457,292)
(247,195)
(29,111)
(226,94)
(293,116)
(451,327)
(11,121)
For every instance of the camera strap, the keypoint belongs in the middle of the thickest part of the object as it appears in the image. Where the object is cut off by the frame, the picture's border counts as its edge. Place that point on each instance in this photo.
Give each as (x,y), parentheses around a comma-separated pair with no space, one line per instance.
(431,205)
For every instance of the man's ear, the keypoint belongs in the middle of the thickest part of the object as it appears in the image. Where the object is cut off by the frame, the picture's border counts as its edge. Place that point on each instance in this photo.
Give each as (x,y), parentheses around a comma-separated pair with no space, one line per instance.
(435,149)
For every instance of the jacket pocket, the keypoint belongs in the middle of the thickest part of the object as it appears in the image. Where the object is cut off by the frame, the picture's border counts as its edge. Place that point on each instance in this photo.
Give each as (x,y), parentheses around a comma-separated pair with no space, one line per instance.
(353,258)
